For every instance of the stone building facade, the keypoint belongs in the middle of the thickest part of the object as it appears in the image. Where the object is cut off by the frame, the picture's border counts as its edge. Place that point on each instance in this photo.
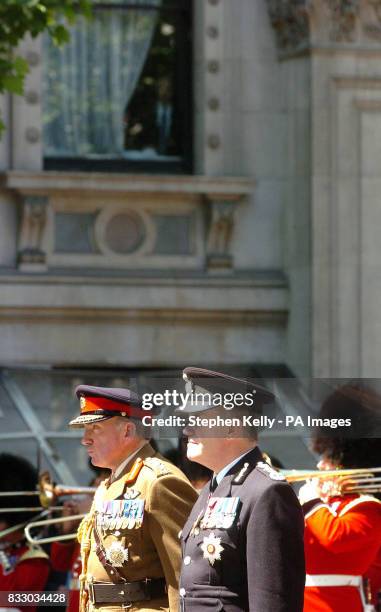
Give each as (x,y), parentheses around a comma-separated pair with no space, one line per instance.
(268,253)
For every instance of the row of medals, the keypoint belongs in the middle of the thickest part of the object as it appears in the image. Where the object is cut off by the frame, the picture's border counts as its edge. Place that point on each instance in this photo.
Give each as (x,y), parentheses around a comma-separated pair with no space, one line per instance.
(120,515)
(220,513)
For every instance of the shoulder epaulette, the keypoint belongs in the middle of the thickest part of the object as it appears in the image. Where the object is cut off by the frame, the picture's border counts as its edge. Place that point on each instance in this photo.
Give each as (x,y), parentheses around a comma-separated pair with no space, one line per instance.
(267,470)
(134,471)
(33,552)
(242,474)
(157,466)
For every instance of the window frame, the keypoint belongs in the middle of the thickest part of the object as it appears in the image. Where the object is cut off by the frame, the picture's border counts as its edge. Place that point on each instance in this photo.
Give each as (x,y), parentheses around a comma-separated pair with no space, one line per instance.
(183,91)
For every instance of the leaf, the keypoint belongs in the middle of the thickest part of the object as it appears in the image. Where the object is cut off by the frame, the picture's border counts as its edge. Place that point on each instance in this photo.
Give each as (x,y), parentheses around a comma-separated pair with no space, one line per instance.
(59,35)
(12,79)
(21,17)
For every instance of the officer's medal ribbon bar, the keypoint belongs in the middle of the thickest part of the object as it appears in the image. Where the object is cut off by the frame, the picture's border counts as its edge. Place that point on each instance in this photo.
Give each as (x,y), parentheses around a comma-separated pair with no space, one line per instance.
(220,513)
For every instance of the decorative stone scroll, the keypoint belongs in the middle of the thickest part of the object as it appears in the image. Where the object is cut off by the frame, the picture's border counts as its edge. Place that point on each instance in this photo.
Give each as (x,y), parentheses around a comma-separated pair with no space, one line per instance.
(220,232)
(31,251)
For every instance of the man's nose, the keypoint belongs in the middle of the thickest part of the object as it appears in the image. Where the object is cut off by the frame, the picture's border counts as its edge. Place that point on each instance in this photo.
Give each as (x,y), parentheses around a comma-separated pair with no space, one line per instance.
(86,439)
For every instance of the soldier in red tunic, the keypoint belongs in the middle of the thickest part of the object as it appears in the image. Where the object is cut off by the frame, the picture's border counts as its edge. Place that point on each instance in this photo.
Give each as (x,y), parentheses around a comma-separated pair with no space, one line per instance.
(66,557)
(342,532)
(22,567)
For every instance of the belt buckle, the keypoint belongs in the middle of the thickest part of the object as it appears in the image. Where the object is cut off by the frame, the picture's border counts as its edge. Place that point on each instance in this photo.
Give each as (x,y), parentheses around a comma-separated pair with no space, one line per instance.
(147,590)
(125,605)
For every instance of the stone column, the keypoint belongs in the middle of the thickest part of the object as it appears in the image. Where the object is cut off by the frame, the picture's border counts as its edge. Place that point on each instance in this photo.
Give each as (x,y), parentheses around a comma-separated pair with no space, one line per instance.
(342,41)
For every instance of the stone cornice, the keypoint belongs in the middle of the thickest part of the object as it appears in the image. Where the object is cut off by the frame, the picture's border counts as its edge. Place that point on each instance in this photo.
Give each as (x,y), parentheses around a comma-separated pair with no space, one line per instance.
(145,315)
(130,297)
(44,183)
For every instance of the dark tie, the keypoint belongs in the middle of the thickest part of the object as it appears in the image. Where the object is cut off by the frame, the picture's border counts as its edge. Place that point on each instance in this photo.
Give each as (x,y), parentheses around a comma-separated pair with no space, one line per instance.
(213,484)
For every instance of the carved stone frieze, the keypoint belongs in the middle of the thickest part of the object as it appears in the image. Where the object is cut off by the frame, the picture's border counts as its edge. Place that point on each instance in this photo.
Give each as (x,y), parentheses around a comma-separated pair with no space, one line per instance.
(342,19)
(290,21)
(91,221)
(300,24)
(372,22)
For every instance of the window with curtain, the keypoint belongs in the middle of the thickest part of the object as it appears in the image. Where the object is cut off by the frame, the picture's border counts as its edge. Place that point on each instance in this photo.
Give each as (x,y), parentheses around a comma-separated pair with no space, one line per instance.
(118,95)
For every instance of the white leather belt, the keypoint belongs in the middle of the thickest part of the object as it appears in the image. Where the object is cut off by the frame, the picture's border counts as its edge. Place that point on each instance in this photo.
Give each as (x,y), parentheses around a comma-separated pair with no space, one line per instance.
(332,580)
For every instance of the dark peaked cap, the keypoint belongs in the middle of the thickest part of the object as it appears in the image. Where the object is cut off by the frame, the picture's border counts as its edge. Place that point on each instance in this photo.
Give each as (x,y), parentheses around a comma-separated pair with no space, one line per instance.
(100,403)
(198,380)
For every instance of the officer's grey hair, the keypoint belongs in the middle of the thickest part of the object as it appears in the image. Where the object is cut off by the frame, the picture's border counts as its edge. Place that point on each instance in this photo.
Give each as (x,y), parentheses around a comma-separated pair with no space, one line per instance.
(243,432)
(141,431)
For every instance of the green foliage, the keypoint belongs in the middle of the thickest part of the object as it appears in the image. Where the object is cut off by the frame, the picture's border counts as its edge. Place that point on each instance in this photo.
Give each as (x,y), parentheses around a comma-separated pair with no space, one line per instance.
(21,17)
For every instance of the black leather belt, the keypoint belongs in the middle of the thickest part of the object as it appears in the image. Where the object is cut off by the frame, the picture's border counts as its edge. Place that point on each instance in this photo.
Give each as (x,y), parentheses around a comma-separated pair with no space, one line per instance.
(126,592)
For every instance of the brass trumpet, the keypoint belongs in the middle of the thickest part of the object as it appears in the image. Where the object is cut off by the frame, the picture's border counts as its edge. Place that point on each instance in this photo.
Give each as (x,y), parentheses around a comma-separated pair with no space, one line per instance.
(48,493)
(355,480)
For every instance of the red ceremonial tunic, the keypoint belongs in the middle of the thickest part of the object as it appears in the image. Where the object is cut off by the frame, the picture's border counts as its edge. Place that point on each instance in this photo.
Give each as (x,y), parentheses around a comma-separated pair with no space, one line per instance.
(373,574)
(67,558)
(342,537)
(23,569)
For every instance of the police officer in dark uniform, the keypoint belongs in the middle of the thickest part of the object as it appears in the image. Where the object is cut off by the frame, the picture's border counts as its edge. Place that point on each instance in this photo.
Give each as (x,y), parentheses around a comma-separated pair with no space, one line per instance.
(242,544)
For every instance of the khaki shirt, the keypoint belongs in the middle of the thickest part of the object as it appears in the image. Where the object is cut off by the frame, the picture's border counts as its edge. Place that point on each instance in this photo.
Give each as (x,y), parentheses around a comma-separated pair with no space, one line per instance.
(165,497)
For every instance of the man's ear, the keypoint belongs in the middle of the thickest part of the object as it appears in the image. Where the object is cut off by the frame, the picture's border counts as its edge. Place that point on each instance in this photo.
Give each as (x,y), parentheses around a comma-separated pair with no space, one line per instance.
(130,429)
(231,432)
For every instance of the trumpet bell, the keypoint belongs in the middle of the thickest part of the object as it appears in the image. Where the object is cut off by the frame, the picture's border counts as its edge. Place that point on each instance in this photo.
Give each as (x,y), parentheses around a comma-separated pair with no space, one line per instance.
(46,488)
(50,492)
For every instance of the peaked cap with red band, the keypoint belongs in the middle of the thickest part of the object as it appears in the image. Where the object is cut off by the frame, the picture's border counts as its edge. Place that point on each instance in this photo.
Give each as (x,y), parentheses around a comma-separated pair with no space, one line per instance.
(100,403)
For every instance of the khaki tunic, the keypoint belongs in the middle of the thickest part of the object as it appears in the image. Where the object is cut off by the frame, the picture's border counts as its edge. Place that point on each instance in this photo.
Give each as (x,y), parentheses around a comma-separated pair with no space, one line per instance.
(154,547)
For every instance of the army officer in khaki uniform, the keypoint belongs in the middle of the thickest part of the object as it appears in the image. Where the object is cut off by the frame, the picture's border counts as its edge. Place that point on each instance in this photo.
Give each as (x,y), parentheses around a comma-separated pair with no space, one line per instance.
(129,540)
